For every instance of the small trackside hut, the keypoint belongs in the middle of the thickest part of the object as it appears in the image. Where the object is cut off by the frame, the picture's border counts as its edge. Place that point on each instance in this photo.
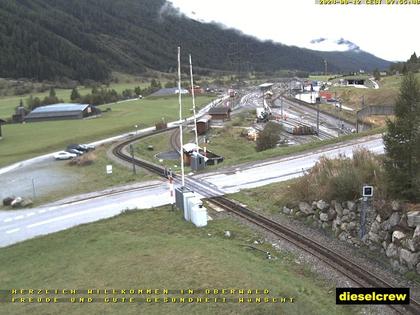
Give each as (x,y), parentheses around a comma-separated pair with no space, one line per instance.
(220,113)
(203,124)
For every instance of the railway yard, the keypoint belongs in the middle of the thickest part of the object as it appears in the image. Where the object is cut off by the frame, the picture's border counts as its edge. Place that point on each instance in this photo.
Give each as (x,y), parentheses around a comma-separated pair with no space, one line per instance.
(158,151)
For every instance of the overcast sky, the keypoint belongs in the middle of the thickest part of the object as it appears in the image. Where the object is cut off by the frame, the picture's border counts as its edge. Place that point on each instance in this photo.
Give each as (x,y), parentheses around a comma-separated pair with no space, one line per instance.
(389,32)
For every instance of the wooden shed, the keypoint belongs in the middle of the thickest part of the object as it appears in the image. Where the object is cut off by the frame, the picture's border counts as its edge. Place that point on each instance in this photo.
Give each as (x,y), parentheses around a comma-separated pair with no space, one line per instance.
(220,113)
(203,124)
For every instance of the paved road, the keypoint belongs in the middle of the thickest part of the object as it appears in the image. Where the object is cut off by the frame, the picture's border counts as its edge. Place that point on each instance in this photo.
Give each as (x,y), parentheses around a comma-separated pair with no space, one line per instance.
(277,170)
(19,225)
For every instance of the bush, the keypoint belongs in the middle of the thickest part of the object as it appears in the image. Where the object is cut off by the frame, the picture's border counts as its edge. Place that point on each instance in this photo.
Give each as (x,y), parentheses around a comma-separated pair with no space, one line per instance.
(269,137)
(341,178)
(83,160)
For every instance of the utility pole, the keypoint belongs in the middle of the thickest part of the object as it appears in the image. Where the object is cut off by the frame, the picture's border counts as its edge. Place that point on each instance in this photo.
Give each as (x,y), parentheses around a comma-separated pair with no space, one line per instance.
(317,118)
(281,107)
(180,118)
(325,67)
(193,101)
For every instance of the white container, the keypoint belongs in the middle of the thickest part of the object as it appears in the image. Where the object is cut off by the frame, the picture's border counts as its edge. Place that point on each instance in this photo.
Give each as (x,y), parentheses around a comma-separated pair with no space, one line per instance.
(187,197)
(199,216)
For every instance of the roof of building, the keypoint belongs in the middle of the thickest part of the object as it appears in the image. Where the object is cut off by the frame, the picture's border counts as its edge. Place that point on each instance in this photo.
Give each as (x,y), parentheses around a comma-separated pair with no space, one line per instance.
(189,147)
(204,119)
(219,110)
(169,91)
(57,110)
(266,85)
(62,107)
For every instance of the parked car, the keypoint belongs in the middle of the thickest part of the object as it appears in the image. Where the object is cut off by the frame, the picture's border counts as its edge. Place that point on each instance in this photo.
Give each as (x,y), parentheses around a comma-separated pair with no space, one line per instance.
(63,155)
(87,147)
(81,147)
(74,151)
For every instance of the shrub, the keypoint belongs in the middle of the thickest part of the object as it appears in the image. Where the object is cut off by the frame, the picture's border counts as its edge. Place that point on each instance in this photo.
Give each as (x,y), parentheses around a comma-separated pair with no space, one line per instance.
(341,178)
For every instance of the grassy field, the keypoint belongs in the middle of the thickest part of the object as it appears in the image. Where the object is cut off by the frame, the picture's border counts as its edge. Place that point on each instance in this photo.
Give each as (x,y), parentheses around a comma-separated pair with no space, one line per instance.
(157,250)
(386,94)
(22,141)
(8,103)
(229,144)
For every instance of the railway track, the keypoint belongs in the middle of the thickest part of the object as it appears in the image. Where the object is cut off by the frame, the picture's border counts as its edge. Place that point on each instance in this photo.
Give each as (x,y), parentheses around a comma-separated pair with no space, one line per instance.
(345,266)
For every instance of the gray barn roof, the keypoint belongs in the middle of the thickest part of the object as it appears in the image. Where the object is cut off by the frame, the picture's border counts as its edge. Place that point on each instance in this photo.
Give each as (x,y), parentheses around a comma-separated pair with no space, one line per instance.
(219,110)
(57,111)
(62,107)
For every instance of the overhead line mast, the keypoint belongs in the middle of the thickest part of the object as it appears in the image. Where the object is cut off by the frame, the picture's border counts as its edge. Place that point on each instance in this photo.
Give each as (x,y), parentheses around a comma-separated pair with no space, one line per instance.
(180,117)
(193,101)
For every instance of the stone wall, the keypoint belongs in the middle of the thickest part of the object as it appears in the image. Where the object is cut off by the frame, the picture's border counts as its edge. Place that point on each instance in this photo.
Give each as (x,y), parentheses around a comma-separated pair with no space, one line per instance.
(389,228)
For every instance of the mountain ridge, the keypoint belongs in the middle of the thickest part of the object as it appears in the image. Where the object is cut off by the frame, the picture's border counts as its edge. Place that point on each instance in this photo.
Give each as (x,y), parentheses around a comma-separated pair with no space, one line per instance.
(50,39)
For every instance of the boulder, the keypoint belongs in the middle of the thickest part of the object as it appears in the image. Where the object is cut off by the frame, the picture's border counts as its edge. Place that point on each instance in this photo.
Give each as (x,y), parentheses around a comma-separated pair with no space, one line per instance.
(325,225)
(374,228)
(384,235)
(344,226)
(305,208)
(286,210)
(382,208)
(323,217)
(385,225)
(336,224)
(374,237)
(352,216)
(403,222)
(351,226)
(394,219)
(27,202)
(228,234)
(418,268)
(384,245)
(398,237)
(413,218)
(322,205)
(378,218)
(338,208)
(409,258)
(412,245)
(343,236)
(345,218)
(395,205)
(346,212)
(351,205)
(391,250)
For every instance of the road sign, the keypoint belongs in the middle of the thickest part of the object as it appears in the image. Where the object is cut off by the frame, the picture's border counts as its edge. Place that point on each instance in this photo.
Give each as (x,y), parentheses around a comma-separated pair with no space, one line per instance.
(109,169)
(367,191)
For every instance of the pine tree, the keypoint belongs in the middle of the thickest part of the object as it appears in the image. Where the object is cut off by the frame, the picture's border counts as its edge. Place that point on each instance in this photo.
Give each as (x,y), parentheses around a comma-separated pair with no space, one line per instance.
(75,95)
(402,142)
(52,92)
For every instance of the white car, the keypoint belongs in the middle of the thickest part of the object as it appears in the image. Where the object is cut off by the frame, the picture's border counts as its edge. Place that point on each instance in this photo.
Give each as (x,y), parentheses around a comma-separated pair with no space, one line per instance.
(63,155)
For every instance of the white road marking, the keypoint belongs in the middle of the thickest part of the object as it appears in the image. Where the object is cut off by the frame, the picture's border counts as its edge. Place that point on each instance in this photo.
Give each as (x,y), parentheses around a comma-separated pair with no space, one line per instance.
(13,231)
(63,217)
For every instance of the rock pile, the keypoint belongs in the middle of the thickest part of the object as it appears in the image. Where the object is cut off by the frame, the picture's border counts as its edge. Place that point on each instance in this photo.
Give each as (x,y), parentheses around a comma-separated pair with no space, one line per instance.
(389,229)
